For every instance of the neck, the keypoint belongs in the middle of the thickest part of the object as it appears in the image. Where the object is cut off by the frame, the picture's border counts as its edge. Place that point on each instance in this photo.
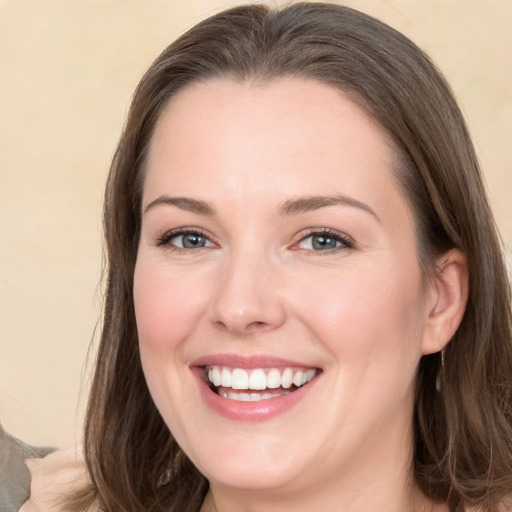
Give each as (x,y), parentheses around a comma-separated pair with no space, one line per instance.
(416,501)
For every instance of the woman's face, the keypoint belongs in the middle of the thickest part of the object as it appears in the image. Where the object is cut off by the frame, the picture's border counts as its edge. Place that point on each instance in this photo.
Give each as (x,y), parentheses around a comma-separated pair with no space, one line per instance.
(277,253)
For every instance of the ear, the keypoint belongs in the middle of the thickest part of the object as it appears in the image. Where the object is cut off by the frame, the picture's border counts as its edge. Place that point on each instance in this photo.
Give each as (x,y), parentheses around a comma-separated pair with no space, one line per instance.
(446,301)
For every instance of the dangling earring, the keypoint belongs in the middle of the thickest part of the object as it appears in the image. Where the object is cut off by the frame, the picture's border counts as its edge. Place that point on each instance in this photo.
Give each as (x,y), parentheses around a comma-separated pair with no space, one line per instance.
(440,371)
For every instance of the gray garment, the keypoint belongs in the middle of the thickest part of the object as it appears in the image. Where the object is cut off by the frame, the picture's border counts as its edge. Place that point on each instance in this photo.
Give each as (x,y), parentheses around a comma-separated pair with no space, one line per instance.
(14,474)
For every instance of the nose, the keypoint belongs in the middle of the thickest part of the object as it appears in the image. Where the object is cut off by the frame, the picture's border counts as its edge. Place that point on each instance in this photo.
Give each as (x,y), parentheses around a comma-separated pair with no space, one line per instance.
(247,299)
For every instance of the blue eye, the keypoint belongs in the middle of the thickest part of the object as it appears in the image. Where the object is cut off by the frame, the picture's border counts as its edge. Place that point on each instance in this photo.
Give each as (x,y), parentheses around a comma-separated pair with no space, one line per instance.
(185,240)
(324,241)
(189,241)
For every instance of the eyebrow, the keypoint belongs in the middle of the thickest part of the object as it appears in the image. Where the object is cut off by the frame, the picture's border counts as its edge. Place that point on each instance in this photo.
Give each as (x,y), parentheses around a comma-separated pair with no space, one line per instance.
(183,203)
(290,207)
(310,203)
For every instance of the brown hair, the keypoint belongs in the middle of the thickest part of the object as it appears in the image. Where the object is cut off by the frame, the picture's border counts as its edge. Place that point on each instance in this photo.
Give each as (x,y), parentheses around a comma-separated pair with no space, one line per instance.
(463,434)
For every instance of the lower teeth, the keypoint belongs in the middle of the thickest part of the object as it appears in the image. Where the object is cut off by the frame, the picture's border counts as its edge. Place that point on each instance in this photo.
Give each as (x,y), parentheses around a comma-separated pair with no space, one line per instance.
(252,397)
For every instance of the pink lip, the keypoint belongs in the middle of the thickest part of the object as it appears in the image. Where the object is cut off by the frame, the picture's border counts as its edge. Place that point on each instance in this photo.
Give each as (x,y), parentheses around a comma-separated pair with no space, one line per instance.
(248,411)
(248,362)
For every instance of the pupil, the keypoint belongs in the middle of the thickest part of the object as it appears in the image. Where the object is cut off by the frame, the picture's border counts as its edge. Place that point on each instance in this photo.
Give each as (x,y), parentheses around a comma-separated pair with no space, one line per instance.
(192,241)
(324,242)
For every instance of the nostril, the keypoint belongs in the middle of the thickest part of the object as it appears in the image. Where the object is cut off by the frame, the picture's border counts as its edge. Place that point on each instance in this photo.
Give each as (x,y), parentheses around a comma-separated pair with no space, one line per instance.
(243,329)
(258,326)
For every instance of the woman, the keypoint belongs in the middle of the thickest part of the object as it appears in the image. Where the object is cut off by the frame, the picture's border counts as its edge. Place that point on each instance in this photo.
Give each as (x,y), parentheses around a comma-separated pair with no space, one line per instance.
(307,307)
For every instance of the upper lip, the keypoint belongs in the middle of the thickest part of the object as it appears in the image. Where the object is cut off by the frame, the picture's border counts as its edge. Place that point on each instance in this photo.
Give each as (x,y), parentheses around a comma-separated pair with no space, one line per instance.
(248,362)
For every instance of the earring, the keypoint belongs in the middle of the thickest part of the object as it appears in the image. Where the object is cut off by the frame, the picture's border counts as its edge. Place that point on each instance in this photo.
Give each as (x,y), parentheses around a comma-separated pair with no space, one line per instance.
(439,378)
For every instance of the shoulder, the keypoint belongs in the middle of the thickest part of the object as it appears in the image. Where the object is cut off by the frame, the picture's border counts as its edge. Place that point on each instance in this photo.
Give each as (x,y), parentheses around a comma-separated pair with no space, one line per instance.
(55,479)
(14,473)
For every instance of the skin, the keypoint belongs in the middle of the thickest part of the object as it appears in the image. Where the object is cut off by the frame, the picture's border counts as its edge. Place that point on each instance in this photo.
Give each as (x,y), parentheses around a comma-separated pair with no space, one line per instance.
(361,312)
(54,479)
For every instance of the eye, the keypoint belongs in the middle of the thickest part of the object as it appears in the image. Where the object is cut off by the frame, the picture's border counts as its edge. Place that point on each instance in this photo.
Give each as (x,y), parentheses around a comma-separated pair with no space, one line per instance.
(185,239)
(327,240)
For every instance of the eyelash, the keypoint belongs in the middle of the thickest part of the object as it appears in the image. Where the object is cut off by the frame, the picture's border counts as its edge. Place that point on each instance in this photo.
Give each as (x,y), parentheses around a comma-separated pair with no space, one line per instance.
(169,235)
(345,242)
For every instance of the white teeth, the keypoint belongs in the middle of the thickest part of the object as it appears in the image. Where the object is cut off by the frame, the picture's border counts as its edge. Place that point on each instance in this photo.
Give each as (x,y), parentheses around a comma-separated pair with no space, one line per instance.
(225,378)
(308,376)
(258,380)
(287,378)
(239,379)
(214,376)
(273,379)
(252,397)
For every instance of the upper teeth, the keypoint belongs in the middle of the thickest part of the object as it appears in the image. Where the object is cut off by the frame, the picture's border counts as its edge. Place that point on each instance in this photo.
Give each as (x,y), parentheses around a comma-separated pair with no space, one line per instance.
(238,378)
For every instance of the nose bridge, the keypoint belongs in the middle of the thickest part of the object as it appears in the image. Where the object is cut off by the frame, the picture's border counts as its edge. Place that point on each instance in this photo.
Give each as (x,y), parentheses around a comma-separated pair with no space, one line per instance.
(247,298)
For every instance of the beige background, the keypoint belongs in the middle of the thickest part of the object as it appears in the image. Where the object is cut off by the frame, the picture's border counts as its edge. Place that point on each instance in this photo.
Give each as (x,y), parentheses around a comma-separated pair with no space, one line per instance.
(67,70)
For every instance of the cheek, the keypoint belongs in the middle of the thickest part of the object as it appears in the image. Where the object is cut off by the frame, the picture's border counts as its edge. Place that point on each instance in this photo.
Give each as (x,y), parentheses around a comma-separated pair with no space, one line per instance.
(167,306)
(166,310)
(366,313)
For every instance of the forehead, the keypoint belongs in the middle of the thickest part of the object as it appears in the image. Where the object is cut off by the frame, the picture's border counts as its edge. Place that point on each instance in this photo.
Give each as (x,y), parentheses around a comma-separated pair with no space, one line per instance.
(280,110)
(288,137)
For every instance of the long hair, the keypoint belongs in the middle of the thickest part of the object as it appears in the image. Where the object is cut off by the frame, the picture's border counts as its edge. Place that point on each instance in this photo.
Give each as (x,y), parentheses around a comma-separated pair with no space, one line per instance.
(462,433)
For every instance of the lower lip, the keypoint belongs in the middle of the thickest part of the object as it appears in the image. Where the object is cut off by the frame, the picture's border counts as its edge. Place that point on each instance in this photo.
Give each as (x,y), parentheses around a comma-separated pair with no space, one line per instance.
(261,410)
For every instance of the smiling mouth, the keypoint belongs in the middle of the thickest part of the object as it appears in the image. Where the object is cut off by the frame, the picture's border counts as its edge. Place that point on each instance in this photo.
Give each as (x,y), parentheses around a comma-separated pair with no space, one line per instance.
(257,384)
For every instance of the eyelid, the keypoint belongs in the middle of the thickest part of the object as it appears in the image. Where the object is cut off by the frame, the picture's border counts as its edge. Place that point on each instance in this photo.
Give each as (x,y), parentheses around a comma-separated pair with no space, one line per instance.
(346,241)
(167,236)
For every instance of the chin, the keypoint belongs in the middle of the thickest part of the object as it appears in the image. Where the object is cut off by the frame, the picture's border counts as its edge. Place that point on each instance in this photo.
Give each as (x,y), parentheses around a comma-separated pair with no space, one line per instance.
(252,460)
(251,476)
